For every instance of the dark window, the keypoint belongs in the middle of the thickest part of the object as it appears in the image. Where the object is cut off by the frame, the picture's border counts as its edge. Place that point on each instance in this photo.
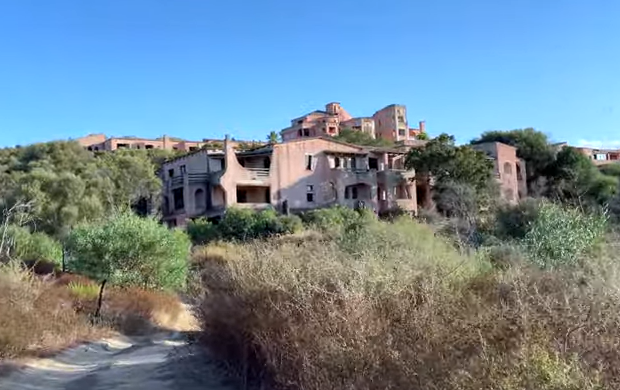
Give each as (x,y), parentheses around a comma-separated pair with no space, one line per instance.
(299,132)
(96,148)
(337,162)
(179,202)
(122,146)
(170,172)
(353,163)
(306,132)
(373,163)
(182,168)
(401,132)
(310,197)
(90,148)
(309,162)
(299,122)
(148,147)
(354,192)
(192,148)
(332,130)
(242,196)
(268,195)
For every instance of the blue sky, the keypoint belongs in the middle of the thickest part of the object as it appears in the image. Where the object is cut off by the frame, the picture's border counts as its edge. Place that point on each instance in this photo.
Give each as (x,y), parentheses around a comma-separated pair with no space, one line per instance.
(204,68)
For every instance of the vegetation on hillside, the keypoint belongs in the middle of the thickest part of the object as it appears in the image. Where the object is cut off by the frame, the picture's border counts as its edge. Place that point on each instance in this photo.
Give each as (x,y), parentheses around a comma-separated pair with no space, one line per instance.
(392,305)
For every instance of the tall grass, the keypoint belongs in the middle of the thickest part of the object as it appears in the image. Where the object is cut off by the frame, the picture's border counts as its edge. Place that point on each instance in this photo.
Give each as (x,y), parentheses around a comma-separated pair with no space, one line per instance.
(392,306)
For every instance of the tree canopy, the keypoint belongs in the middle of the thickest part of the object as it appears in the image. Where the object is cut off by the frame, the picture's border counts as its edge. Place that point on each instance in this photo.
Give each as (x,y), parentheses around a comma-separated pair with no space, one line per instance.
(445,161)
(65,185)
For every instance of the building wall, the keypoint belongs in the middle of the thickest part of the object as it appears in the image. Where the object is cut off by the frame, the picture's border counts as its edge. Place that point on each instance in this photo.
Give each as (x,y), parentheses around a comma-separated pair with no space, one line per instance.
(388,123)
(291,179)
(99,142)
(91,139)
(509,169)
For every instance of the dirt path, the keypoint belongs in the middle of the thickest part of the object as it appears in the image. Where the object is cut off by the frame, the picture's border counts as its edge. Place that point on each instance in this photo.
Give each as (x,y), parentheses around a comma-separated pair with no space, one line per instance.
(161,361)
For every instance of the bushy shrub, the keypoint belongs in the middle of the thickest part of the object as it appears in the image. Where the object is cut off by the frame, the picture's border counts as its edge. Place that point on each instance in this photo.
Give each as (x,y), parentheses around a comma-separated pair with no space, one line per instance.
(392,306)
(515,221)
(130,251)
(22,244)
(243,224)
(202,231)
(337,219)
(560,235)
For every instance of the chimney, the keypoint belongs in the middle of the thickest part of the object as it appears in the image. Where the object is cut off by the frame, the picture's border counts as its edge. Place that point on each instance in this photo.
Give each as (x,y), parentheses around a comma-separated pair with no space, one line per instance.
(422,126)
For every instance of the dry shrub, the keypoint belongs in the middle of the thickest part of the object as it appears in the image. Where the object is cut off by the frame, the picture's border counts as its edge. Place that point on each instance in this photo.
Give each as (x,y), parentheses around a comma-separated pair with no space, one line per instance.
(391,306)
(36,316)
(137,311)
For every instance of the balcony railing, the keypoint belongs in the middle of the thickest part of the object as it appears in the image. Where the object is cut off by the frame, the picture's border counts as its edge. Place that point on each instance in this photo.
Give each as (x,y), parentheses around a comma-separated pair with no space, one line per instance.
(257,173)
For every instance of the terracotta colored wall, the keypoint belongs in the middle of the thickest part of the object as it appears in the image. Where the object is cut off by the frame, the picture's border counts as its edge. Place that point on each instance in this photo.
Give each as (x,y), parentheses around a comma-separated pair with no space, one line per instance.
(91,139)
(290,177)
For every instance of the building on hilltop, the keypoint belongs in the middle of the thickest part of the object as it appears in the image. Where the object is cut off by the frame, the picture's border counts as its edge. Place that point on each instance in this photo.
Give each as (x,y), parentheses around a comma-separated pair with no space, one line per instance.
(306,173)
(509,169)
(99,142)
(388,123)
(601,156)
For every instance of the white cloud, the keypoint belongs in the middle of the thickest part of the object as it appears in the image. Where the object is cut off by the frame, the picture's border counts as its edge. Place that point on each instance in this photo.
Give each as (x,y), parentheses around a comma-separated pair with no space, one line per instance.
(599,144)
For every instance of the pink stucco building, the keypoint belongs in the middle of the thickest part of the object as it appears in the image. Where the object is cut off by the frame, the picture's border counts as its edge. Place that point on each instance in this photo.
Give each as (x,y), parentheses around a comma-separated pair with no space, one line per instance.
(307,173)
(99,142)
(389,123)
(509,169)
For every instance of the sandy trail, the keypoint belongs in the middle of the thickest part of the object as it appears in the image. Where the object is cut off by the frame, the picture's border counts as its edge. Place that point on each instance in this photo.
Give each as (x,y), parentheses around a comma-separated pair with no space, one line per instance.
(158,362)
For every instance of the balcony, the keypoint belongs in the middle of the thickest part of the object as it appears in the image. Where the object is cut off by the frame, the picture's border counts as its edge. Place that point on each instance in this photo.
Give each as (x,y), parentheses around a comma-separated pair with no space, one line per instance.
(193,178)
(254,176)
(395,175)
(350,176)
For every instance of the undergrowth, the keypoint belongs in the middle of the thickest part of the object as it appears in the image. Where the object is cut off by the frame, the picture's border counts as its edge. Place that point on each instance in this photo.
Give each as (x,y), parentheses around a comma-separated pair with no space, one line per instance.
(390,305)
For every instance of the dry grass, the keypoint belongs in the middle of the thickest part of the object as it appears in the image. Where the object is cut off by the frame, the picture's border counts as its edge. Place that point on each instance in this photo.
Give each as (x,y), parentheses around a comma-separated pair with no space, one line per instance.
(41,317)
(36,317)
(138,311)
(395,307)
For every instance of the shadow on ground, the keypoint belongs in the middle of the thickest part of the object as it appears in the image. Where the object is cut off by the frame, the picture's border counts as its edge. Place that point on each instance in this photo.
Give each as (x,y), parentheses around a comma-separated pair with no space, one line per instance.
(165,360)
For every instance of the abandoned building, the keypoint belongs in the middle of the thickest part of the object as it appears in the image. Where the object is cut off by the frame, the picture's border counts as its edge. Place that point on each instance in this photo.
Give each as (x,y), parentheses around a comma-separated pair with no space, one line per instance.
(305,173)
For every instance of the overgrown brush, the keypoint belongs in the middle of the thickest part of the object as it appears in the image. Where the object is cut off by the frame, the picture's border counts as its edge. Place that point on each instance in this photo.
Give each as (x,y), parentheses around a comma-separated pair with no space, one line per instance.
(392,306)
(243,224)
(35,316)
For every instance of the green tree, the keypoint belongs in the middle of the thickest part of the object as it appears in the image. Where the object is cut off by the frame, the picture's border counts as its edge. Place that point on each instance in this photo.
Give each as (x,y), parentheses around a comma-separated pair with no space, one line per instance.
(273,137)
(573,178)
(443,160)
(422,137)
(66,185)
(456,170)
(130,251)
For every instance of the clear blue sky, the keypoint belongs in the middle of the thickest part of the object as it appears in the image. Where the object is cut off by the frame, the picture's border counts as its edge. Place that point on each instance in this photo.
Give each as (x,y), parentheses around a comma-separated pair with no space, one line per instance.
(203,68)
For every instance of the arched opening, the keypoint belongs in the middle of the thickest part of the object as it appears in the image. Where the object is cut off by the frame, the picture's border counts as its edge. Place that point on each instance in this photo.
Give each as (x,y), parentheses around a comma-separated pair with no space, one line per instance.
(508,168)
(200,200)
